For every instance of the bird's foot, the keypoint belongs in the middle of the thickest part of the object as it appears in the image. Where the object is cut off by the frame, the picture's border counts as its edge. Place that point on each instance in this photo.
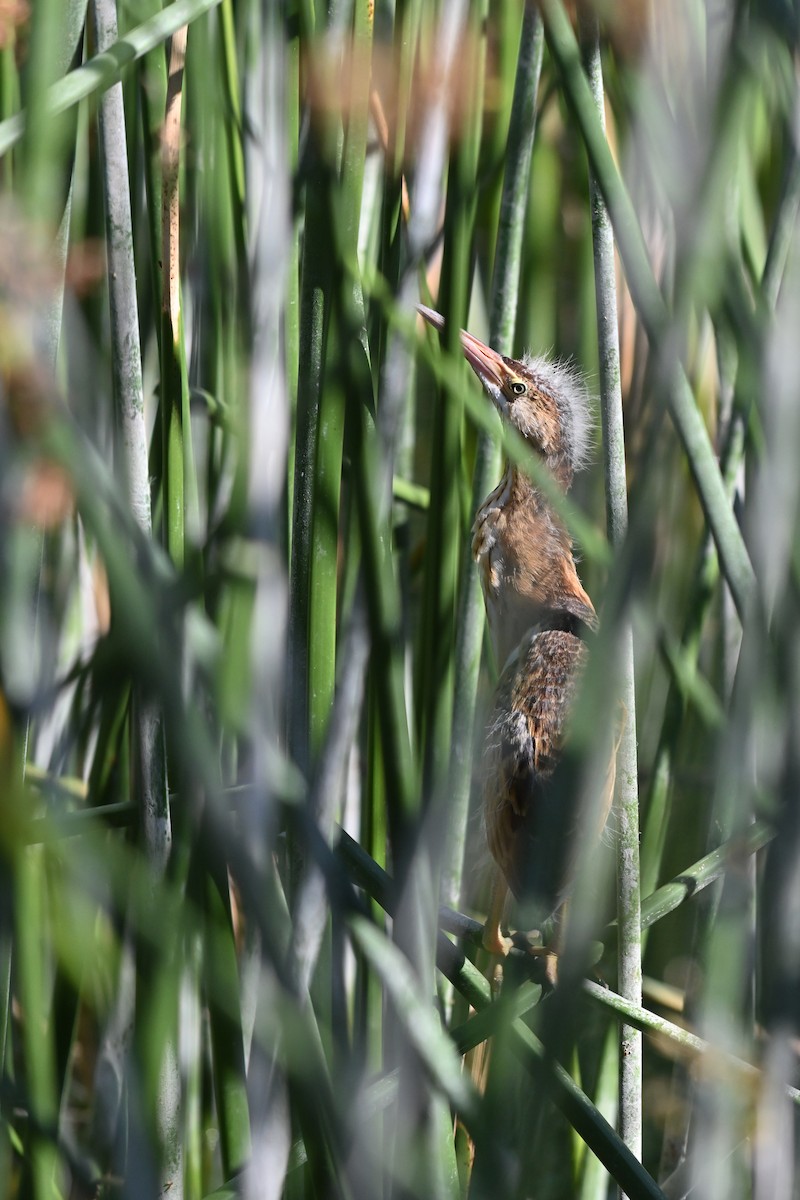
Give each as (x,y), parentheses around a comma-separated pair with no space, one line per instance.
(500,944)
(495,941)
(550,957)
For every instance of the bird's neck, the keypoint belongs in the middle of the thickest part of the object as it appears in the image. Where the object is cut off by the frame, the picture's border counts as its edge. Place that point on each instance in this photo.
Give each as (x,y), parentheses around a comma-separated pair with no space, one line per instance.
(524,514)
(527,493)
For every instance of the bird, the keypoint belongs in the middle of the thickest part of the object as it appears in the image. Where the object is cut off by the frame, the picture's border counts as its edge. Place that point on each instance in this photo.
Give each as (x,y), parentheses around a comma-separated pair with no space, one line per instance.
(541,624)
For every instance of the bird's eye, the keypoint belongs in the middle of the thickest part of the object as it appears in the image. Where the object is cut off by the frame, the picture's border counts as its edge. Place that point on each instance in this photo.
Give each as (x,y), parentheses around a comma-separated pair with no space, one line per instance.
(518,389)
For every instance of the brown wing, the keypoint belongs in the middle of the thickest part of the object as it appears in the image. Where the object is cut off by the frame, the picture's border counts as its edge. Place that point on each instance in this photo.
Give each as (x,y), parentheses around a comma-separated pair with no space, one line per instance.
(527,825)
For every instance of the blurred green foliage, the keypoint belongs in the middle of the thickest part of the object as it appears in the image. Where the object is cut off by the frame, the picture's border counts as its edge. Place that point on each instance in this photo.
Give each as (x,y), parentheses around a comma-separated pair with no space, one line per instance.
(242,684)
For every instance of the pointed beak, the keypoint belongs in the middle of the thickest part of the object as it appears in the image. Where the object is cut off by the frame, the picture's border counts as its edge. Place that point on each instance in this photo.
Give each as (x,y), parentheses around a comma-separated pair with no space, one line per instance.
(487,364)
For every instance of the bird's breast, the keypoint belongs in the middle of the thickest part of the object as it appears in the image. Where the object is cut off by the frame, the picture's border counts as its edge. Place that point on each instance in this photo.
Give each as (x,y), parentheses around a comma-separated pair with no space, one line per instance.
(525,565)
(487,532)
(488,536)
(510,611)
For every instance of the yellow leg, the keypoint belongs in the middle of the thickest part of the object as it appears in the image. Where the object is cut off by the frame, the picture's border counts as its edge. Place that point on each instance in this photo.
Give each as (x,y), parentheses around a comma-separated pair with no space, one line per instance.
(552,950)
(493,939)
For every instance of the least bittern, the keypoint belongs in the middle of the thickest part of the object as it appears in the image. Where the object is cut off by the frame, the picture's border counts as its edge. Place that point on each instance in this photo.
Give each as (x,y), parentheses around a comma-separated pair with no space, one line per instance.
(539,617)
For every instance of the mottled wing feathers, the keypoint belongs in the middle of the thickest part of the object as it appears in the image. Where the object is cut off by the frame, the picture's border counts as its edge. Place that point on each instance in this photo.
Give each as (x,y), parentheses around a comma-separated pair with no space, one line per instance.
(522,804)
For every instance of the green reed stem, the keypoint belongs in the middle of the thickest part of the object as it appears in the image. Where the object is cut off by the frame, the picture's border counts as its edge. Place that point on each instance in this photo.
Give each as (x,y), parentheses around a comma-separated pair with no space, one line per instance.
(323,574)
(104,70)
(652,310)
(37,1033)
(629,949)
(446,524)
(314,322)
(150,786)
(470,620)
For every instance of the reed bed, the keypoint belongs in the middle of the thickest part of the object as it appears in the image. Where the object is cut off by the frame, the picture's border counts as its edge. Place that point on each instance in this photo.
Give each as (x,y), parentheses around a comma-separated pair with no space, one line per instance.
(243,665)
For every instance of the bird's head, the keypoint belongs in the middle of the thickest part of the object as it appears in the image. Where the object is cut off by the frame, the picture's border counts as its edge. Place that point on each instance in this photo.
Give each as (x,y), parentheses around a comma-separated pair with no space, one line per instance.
(546,401)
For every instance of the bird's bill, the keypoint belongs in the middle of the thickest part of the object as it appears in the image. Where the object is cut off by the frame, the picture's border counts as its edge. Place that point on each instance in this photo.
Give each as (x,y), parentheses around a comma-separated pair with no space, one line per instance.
(487,364)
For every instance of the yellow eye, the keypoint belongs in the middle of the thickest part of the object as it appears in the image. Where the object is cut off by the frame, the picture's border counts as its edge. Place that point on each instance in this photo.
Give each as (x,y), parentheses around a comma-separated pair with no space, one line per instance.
(519,389)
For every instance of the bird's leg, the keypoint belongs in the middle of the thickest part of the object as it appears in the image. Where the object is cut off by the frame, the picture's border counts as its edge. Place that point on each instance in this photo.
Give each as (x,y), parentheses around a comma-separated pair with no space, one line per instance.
(550,953)
(493,939)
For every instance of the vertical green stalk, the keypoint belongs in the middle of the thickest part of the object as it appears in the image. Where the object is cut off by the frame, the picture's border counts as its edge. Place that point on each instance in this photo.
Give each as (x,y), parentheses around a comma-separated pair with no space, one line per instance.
(55,36)
(391,750)
(629,910)
(292,285)
(176,481)
(417,859)
(384,611)
(385,807)
(446,525)
(216,133)
(594,1181)
(324,562)
(704,588)
(45,183)
(7,774)
(152,72)
(192,1036)
(652,311)
(315,313)
(40,1077)
(783,229)
(9,99)
(516,182)
(311,910)
(233,126)
(224,1004)
(406,32)
(415,920)
(422,1124)
(267,101)
(505,293)
(313,319)
(126,360)
(176,432)
(56,30)
(720,920)
(150,787)
(707,573)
